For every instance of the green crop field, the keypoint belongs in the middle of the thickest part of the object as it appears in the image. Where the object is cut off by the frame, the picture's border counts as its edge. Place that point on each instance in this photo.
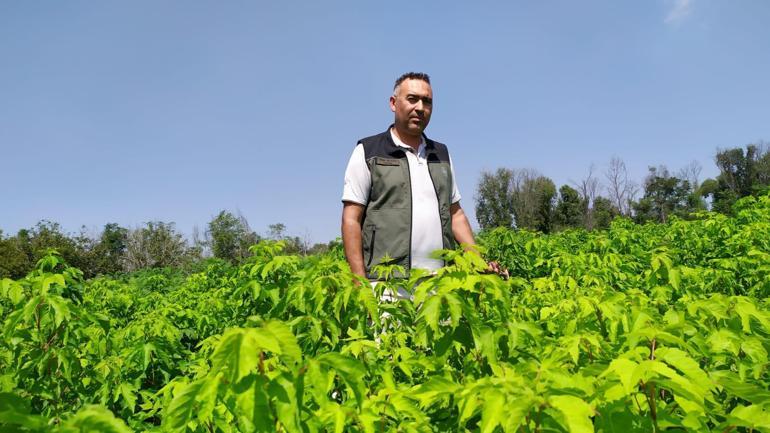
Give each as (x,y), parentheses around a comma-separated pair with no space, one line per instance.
(634,329)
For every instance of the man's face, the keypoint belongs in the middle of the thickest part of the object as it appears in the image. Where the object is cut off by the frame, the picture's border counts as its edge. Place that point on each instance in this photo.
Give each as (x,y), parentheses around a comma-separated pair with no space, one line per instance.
(412,103)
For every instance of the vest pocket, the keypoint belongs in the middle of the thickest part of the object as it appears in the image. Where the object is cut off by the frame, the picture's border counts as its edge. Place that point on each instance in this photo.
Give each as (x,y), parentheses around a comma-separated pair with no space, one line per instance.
(390,184)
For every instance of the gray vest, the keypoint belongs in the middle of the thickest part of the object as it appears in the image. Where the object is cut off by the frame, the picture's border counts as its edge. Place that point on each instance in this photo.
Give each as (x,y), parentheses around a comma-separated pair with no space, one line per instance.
(387,225)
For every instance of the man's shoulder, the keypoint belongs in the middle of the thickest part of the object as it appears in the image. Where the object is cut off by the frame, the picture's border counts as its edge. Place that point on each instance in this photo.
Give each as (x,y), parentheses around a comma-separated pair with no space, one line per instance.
(373,138)
(437,144)
(438,149)
(377,145)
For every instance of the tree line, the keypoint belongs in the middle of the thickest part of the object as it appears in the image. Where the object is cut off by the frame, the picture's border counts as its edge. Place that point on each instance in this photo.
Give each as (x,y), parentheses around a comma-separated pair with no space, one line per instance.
(154,244)
(526,199)
(513,198)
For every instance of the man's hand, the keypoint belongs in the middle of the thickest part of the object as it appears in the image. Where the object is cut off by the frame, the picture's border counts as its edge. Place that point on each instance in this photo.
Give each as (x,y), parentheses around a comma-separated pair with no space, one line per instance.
(494,267)
(461,229)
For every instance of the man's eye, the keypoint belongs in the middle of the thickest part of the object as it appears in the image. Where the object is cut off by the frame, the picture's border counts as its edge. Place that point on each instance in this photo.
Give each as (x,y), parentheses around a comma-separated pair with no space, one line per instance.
(412,99)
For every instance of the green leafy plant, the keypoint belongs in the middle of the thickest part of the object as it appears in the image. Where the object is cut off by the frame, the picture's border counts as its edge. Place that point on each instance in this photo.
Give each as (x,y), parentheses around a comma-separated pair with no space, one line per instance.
(638,328)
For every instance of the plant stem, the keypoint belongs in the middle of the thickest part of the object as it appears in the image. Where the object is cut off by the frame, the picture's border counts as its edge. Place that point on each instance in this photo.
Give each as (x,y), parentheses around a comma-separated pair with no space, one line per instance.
(649,395)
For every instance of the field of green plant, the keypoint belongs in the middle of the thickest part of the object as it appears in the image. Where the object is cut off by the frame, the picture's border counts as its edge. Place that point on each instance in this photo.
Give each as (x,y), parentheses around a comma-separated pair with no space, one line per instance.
(635,329)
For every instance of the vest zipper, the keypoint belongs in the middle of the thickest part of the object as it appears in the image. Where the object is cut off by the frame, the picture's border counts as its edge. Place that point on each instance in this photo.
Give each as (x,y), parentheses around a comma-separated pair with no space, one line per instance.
(411,210)
(371,248)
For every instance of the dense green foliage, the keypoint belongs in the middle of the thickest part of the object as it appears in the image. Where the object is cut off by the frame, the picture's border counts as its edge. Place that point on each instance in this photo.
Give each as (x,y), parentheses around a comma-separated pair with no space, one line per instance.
(154,244)
(527,200)
(633,329)
(741,173)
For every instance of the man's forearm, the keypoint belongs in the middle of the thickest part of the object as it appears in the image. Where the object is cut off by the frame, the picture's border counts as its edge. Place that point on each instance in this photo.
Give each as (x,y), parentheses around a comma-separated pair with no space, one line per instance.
(461,227)
(351,241)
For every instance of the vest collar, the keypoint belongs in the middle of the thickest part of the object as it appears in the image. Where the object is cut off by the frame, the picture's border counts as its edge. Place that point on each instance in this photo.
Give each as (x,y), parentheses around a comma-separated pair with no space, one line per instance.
(397,151)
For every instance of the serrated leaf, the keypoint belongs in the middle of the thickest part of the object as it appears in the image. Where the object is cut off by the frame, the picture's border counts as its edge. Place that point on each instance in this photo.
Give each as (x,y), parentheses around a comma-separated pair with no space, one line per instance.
(486,342)
(92,419)
(753,417)
(747,391)
(16,411)
(747,310)
(183,406)
(253,406)
(60,308)
(286,340)
(435,388)
(14,291)
(468,407)
(680,360)
(367,299)
(516,413)
(50,280)
(576,412)
(207,397)
(724,340)
(238,351)
(753,348)
(674,278)
(283,392)
(492,414)
(430,312)
(5,285)
(350,370)
(128,392)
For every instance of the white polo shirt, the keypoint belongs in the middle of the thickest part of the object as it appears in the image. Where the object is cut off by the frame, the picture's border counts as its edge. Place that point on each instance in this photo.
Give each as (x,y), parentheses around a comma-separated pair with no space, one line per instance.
(426,222)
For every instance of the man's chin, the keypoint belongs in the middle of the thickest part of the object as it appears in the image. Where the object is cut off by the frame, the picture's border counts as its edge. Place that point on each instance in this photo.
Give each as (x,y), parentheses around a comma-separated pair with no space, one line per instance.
(411,129)
(416,129)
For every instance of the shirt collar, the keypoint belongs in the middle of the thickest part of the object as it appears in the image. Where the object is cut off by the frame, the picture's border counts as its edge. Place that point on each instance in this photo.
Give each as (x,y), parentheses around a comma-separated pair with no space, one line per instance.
(398,142)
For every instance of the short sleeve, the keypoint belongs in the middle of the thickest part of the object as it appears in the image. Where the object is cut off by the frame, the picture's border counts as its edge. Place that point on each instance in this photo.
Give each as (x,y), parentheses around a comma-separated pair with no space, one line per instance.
(358,180)
(455,191)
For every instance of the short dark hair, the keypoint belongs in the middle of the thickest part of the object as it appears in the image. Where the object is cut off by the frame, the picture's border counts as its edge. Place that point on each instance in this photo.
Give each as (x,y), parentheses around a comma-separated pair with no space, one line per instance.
(412,76)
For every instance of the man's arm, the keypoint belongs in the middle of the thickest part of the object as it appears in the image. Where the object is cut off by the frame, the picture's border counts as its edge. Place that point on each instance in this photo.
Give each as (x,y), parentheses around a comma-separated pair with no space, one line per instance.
(352,216)
(461,227)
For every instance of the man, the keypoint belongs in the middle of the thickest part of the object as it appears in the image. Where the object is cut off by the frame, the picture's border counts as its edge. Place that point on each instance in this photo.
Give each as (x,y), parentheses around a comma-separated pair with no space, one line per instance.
(400,199)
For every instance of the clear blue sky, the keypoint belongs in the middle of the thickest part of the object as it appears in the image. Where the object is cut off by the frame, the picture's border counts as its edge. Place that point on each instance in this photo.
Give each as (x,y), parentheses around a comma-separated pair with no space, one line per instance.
(134,111)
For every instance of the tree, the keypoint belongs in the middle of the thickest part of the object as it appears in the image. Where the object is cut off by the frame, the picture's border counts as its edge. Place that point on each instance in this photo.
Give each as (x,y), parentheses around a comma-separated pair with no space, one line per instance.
(292,244)
(664,195)
(110,250)
(522,198)
(532,200)
(91,254)
(569,208)
(200,244)
(306,242)
(324,248)
(588,188)
(691,173)
(230,237)
(622,190)
(276,231)
(544,191)
(741,173)
(604,212)
(14,261)
(48,235)
(155,245)
(493,199)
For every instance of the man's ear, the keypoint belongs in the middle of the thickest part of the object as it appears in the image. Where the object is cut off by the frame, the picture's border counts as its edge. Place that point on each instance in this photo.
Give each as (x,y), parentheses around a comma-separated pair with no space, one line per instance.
(393,103)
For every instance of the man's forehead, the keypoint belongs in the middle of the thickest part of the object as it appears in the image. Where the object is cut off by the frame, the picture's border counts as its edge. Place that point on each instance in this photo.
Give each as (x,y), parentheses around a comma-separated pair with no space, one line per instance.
(415,87)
